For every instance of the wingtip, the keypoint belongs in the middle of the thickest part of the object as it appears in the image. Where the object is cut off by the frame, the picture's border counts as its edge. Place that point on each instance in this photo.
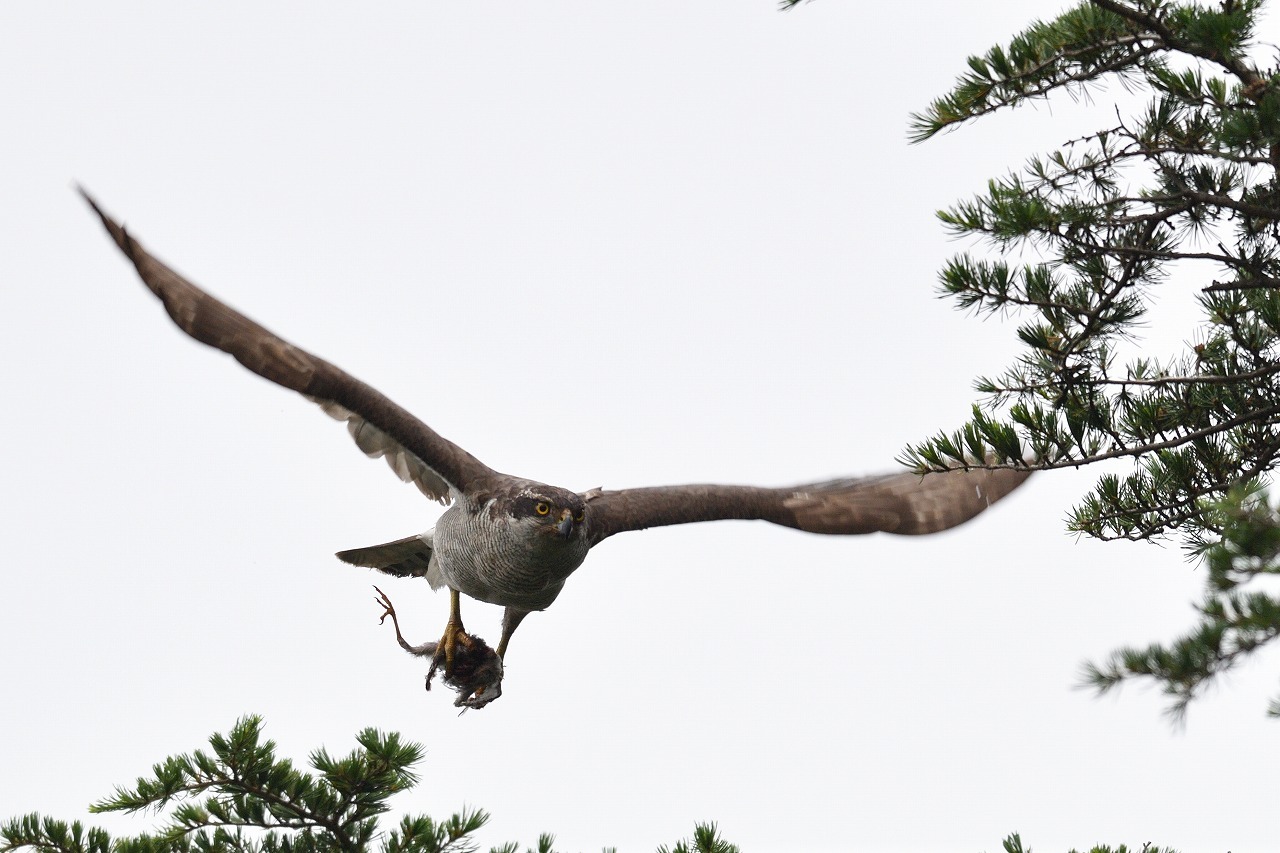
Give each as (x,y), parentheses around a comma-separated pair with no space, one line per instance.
(115,229)
(84,193)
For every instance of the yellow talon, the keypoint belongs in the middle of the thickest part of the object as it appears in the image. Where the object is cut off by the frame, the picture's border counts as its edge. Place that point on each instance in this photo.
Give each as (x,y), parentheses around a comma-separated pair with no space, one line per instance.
(454,634)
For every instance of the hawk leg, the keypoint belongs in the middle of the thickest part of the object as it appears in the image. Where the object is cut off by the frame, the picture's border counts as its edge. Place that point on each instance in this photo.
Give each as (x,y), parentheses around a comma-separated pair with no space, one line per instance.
(470,667)
(455,639)
(511,619)
(388,610)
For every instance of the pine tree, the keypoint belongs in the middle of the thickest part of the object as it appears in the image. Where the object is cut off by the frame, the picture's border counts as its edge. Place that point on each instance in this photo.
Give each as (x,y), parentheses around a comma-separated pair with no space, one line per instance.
(1013,844)
(1188,184)
(241,798)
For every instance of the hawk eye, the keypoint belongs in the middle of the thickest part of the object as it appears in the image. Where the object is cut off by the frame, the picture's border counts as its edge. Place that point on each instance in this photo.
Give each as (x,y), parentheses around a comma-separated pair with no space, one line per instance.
(581,515)
(542,508)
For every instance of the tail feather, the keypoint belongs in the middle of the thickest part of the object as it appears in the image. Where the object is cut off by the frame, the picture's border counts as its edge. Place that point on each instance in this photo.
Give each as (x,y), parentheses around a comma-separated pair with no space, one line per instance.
(407,558)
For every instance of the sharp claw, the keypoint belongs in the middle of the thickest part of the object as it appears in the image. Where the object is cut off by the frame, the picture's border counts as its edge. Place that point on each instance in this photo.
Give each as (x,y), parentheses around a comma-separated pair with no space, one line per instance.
(383,600)
(470,666)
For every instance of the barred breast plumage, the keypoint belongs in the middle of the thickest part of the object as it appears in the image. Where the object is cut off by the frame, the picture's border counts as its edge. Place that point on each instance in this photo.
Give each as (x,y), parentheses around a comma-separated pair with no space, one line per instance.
(501,559)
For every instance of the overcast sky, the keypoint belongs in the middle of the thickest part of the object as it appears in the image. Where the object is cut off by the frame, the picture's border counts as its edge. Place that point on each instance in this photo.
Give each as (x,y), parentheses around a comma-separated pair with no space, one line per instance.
(597,244)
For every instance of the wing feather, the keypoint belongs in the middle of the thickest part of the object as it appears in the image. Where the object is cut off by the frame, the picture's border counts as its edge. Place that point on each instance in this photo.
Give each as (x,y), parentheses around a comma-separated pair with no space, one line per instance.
(409,557)
(905,503)
(375,443)
(380,427)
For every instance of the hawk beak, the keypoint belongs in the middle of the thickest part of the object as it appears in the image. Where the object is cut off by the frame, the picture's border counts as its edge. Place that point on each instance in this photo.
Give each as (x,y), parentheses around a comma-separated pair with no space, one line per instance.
(566,525)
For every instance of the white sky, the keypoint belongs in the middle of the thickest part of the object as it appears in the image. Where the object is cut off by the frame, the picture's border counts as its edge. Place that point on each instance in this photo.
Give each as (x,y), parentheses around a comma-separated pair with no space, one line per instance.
(597,244)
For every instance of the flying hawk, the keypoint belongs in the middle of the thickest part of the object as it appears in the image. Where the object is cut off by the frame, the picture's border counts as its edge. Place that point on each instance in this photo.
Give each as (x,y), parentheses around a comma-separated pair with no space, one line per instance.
(511,541)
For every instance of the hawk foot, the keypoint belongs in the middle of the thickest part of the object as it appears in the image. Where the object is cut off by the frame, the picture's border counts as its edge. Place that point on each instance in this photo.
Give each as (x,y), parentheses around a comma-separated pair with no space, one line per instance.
(469,665)
(387,608)
(475,670)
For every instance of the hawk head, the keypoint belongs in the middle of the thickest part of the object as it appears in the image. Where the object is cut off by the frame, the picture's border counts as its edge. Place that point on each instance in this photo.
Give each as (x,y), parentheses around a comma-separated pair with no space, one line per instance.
(550,511)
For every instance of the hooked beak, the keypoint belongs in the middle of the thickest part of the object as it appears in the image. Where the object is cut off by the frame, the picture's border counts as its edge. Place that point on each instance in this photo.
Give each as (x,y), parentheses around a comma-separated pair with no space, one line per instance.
(565,527)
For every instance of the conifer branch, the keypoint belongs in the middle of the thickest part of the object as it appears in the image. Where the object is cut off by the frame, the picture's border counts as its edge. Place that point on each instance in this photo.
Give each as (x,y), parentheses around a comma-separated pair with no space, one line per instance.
(1107,219)
(285,810)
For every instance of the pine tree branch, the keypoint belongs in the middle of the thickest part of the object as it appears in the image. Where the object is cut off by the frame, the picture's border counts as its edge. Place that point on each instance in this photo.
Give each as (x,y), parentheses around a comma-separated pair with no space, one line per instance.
(915,460)
(1169,39)
(1258,283)
(380,771)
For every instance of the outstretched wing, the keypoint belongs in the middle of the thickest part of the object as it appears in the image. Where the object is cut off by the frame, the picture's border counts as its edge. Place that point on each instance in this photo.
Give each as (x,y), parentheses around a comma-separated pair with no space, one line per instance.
(905,503)
(380,427)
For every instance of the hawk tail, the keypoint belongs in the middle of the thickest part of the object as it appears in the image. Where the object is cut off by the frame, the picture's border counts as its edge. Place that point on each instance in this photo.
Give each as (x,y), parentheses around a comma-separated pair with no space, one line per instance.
(406,558)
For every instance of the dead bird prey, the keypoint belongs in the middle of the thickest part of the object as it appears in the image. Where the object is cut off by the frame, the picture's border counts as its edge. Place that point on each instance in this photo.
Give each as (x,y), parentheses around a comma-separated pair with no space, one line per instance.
(511,541)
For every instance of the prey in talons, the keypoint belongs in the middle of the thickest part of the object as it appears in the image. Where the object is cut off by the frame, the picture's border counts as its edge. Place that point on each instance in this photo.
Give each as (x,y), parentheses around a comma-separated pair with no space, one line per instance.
(466,661)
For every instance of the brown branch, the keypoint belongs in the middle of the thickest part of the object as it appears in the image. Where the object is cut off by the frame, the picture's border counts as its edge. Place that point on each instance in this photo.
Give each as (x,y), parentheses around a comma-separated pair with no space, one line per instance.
(1230,203)
(1255,85)
(1043,89)
(1185,507)
(1257,283)
(1141,450)
(1233,64)
(1199,379)
(1070,55)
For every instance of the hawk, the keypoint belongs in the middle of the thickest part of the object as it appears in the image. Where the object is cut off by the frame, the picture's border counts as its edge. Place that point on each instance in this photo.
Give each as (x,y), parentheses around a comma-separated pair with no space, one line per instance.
(514,542)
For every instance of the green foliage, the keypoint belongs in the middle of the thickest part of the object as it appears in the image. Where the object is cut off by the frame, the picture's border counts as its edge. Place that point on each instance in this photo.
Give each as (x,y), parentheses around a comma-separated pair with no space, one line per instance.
(706,839)
(1236,617)
(242,799)
(1099,226)
(1107,217)
(1069,52)
(1013,844)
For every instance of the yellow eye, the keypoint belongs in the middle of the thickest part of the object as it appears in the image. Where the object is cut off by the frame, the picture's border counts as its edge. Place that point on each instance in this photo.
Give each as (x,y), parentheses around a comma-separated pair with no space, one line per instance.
(581,515)
(542,508)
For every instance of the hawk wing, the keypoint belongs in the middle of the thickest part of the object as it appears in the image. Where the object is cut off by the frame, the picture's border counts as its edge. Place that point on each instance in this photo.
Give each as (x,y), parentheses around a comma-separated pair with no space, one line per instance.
(905,503)
(380,427)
